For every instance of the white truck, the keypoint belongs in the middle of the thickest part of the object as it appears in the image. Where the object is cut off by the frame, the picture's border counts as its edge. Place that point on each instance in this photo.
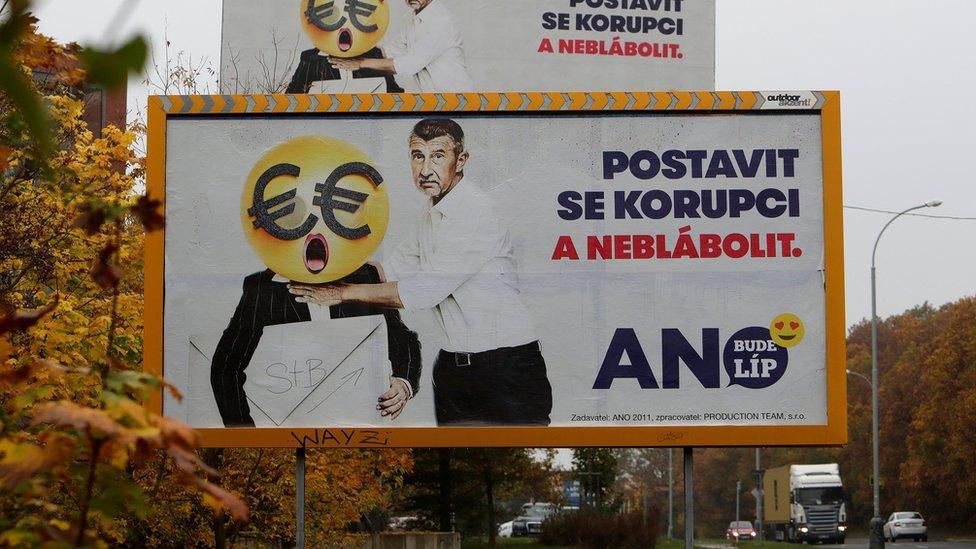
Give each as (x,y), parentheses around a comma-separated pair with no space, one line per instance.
(805,503)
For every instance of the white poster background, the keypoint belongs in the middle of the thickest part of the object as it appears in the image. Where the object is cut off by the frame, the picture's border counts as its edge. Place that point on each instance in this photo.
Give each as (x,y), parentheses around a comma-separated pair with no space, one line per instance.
(261,41)
(524,162)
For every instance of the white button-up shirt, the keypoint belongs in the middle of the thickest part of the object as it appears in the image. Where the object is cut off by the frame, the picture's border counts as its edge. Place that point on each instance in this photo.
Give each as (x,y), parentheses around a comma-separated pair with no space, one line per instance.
(461,264)
(428,54)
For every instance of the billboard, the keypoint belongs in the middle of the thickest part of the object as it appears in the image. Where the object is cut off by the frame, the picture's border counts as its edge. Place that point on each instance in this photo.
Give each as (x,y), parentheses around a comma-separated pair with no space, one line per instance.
(561,269)
(364,46)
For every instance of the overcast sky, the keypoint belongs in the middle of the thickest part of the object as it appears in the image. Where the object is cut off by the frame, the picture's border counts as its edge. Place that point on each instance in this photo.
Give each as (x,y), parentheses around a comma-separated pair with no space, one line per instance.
(906,76)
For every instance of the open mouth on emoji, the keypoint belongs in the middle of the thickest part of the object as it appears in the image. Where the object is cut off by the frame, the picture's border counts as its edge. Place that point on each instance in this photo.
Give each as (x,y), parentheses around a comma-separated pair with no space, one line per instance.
(785,337)
(345,40)
(316,253)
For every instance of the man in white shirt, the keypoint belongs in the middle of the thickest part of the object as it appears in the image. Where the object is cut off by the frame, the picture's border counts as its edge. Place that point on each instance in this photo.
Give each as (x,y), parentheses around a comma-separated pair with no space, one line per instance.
(426,56)
(460,263)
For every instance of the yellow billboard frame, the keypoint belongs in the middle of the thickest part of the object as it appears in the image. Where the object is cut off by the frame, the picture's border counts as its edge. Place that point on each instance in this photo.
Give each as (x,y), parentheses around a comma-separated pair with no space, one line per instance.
(826,103)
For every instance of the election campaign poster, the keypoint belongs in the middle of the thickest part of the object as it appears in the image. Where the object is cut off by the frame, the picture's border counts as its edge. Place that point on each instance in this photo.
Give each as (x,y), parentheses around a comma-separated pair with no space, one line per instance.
(499,269)
(364,46)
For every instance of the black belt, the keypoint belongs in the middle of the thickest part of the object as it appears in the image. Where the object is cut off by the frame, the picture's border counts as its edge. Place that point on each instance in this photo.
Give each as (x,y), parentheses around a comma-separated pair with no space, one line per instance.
(485,358)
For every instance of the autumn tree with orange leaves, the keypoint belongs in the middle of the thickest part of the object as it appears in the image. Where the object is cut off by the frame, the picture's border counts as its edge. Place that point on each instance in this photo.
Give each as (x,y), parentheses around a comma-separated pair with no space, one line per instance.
(927,413)
(74,436)
(81,461)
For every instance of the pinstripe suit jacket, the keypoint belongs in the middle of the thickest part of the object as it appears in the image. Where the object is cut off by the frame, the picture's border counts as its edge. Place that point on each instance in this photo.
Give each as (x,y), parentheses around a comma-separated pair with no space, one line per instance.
(267,303)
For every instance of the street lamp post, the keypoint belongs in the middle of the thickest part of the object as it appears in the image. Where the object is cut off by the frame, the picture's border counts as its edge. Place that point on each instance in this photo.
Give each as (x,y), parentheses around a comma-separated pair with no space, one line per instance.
(874,357)
(860,375)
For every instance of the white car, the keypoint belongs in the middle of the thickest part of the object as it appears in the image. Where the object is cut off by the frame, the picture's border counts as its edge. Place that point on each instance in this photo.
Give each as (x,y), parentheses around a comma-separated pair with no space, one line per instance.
(505,529)
(402,523)
(905,524)
(529,521)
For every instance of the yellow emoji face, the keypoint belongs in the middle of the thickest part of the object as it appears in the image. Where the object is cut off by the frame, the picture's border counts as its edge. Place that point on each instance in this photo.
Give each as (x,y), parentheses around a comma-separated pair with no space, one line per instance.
(314,209)
(344,28)
(786,330)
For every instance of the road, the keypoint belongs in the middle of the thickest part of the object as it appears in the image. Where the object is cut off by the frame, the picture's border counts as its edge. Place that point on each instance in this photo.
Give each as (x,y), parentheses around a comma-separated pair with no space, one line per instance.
(861,543)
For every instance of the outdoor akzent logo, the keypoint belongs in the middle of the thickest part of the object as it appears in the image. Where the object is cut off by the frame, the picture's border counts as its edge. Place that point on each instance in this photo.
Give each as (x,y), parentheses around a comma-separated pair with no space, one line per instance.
(789,100)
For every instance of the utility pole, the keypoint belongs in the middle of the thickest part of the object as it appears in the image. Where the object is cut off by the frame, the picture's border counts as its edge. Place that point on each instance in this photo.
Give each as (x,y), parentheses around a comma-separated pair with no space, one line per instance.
(759,496)
(670,495)
(689,498)
(300,498)
(738,490)
(644,510)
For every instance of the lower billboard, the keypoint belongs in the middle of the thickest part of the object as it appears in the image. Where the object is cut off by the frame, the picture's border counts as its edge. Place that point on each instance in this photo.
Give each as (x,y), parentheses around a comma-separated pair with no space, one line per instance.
(499,269)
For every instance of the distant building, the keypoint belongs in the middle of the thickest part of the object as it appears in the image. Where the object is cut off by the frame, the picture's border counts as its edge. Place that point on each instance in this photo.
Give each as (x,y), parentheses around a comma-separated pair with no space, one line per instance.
(104,107)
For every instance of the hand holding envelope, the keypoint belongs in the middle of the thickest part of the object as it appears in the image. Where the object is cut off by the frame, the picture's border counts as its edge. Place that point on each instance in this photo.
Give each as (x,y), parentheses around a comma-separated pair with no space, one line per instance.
(308,374)
(391,403)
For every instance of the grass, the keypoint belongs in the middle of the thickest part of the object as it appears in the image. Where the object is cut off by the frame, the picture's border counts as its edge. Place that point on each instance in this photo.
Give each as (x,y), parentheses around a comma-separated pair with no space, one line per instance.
(747,544)
(679,543)
(527,542)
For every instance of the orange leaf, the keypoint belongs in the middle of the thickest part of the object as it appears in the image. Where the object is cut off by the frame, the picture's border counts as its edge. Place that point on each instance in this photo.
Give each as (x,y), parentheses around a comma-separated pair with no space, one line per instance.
(68,414)
(6,349)
(23,373)
(90,219)
(104,274)
(11,376)
(21,461)
(173,390)
(188,462)
(148,211)
(175,432)
(223,499)
(21,320)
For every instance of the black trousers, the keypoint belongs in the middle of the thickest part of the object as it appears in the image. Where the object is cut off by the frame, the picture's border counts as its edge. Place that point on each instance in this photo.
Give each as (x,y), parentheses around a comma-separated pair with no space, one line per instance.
(506,386)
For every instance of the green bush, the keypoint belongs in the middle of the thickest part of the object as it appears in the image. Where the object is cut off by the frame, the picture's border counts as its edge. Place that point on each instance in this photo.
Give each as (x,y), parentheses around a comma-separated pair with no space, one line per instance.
(589,529)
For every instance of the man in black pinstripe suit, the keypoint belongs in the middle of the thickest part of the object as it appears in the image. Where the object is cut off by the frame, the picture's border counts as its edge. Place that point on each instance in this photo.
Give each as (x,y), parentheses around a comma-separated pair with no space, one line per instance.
(314,67)
(267,302)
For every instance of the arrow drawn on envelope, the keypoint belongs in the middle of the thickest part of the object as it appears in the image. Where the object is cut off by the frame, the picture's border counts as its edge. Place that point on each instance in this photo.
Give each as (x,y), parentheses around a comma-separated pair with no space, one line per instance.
(293,360)
(345,379)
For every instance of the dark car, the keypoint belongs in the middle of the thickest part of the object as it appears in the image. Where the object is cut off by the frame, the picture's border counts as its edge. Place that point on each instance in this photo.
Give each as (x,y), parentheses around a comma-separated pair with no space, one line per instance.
(741,530)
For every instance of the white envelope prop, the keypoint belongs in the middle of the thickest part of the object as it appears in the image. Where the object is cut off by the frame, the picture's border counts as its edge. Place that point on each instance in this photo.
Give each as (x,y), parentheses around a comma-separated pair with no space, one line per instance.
(304,374)
(348,84)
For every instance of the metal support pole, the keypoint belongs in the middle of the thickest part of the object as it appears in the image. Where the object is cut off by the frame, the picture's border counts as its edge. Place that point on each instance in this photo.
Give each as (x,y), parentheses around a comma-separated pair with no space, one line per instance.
(300,498)
(670,494)
(689,500)
(644,498)
(738,489)
(759,497)
(876,496)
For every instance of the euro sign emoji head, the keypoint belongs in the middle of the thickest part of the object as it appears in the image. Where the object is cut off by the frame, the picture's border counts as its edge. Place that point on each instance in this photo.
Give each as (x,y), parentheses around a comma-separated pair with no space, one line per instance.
(345,28)
(314,209)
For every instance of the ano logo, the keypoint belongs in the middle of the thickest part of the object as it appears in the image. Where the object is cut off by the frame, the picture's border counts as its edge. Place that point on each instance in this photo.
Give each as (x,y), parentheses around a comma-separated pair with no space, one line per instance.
(754,357)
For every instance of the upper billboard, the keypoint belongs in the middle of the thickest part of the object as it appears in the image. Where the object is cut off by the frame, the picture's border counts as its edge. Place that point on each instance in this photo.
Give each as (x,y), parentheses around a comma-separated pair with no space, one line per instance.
(557,269)
(364,46)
